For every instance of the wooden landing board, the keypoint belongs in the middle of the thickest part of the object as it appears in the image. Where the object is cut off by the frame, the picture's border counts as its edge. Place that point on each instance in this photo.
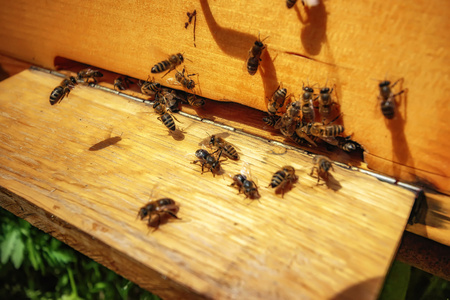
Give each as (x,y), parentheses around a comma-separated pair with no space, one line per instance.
(318,242)
(351,45)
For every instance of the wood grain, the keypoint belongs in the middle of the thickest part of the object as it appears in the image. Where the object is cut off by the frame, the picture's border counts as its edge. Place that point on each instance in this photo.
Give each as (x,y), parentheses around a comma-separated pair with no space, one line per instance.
(339,43)
(319,241)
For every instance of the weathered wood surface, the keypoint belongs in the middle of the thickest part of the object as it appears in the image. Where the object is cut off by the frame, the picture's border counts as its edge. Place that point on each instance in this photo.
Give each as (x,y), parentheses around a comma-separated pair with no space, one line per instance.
(317,242)
(344,43)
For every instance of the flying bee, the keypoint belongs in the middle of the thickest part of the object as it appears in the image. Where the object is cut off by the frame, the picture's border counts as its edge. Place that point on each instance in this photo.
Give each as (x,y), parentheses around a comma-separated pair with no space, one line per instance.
(254,56)
(245,185)
(325,102)
(195,101)
(271,120)
(322,165)
(324,131)
(208,160)
(62,90)
(149,87)
(184,80)
(225,148)
(308,114)
(169,64)
(122,83)
(88,74)
(159,209)
(277,100)
(387,98)
(283,179)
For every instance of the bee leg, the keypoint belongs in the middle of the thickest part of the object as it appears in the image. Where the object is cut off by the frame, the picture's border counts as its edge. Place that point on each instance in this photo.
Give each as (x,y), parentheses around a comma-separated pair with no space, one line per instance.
(312,171)
(398,80)
(172,214)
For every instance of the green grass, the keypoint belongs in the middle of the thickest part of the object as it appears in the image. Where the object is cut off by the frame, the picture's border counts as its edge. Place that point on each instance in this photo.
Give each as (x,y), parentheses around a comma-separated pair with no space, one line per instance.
(33,265)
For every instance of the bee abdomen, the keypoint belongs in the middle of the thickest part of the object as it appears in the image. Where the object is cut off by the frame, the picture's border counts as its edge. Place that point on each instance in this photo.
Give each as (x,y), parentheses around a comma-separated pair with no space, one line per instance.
(252,65)
(58,94)
(161,66)
(168,121)
(331,131)
(387,109)
(231,152)
(277,179)
(290,3)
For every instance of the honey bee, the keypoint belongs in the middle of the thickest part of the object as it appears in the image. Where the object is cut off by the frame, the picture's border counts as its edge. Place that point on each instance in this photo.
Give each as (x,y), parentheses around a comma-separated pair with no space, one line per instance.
(122,83)
(208,160)
(169,64)
(223,146)
(324,131)
(62,90)
(277,100)
(283,179)
(150,87)
(303,132)
(387,98)
(88,74)
(271,120)
(245,186)
(254,56)
(322,165)
(346,144)
(325,102)
(195,101)
(159,209)
(164,115)
(308,114)
(170,100)
(184,80)
(288,121)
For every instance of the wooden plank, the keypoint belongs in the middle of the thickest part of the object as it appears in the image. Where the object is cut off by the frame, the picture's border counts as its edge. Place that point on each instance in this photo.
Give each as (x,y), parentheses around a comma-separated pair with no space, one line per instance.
(317,242)
(341,43)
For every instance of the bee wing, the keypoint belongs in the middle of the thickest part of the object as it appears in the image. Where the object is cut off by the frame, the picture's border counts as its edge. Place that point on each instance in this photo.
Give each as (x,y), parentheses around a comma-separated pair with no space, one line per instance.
(172,81)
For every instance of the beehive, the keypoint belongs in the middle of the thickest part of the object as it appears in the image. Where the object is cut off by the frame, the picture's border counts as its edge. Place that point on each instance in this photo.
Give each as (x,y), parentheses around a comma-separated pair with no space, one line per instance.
(346,44)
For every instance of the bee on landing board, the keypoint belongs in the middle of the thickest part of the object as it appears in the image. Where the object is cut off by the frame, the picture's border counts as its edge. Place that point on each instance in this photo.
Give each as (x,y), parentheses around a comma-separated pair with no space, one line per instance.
(88,74)
(245,185)
(387,98)
(169,64)
(207,160)
(254,56)
(62,90)
(218,141)
(288,121)
(322,165)
(122,83)
(165,116)
(283,179)
(159,209)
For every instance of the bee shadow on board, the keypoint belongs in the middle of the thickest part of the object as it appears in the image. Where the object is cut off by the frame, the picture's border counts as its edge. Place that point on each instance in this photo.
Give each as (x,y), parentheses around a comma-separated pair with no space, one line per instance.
(332,183)
(110,141)
(313,33)
(238,44)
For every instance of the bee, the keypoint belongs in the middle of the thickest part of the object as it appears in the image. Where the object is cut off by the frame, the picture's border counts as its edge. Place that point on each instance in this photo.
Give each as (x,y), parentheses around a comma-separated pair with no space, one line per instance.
(288,121)
(322,165)
(170,64)
(254,56)
(245,186)
(346,144)
(122,83)
(303,132)
(195,101)
(62,90)
(160,209)
(88,74)
(308,114)
(164,116)
(184,80)
(150,87)
(170,100)
(324,131)
(271,120)
(224,147)
(283,179)
(208,160)
(387,98)
(325,102)
(277,100)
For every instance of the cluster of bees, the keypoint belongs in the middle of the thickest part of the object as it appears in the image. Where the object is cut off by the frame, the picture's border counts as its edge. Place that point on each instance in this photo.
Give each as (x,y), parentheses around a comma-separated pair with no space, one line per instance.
(296,119)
